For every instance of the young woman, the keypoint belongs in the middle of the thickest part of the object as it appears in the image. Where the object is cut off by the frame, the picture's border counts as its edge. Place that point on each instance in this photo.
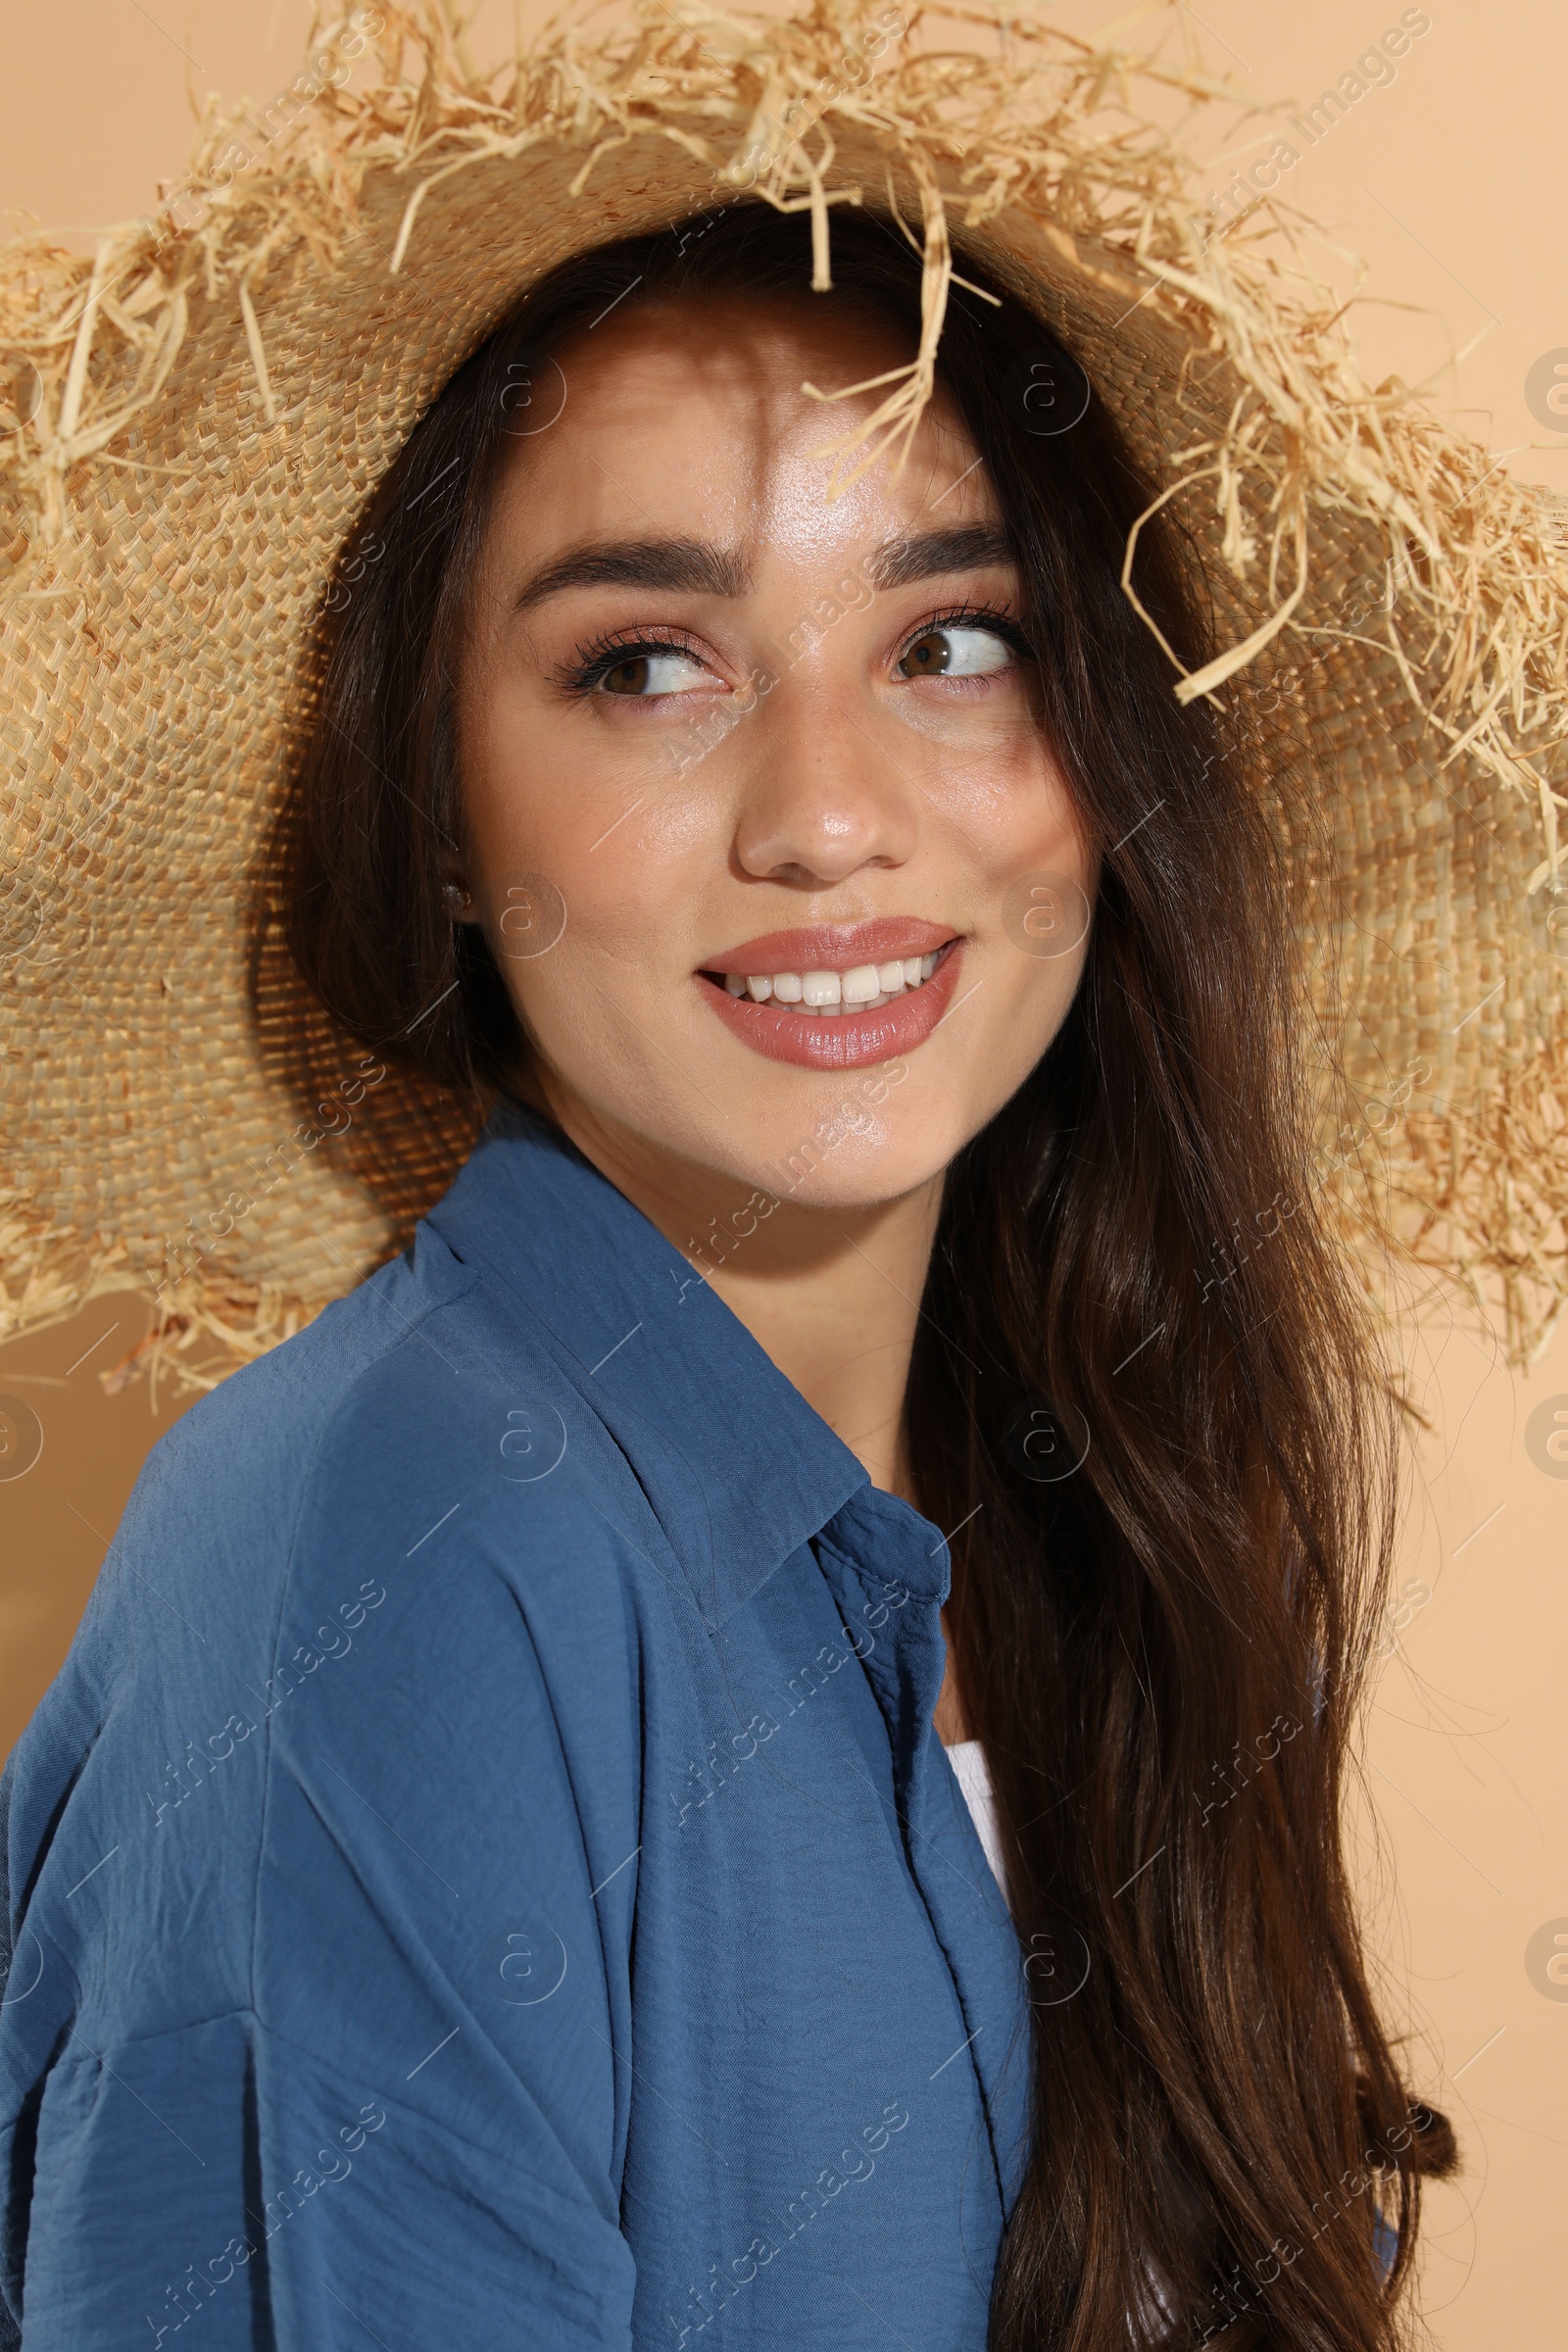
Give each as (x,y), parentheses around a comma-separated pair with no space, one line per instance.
(745,1747)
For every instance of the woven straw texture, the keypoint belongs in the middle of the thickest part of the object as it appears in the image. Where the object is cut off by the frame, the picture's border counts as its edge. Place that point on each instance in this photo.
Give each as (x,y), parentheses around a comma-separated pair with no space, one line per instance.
(199,415)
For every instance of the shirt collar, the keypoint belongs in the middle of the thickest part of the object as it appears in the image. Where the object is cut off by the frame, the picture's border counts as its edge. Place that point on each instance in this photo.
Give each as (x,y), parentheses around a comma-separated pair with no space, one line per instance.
(739,1469)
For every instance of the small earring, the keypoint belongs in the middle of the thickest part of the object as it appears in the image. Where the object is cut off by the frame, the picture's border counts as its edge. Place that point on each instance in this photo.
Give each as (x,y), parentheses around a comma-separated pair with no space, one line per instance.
(457,899)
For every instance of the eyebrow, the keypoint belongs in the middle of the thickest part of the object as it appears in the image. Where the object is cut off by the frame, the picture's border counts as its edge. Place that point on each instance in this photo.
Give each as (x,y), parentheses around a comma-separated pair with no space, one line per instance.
(967,547)
(700,569)
(693,565)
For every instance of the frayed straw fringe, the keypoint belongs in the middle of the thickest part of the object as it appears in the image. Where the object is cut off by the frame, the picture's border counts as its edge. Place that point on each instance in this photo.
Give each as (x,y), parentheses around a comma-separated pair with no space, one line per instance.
(1071,132)
(1474,1202)
(201,1327)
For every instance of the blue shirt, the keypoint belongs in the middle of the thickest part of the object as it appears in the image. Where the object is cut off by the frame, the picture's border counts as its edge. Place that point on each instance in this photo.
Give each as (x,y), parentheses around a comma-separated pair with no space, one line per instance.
(485,1874)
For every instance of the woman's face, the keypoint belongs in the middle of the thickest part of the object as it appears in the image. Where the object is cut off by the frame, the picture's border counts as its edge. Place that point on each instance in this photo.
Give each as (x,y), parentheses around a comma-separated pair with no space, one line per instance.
(781,873)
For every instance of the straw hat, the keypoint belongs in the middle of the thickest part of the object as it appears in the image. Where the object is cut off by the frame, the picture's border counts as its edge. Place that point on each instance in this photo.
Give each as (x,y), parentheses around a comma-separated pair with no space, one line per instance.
(198,415)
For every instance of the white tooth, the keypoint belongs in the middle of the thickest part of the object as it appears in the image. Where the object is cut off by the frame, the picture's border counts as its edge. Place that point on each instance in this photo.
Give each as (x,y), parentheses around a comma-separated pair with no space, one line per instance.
(820,988)
(928,964)
(735,982)
(830,1011)
(890,979)
(861,984)
(761,986)
(787,986)
(912,971)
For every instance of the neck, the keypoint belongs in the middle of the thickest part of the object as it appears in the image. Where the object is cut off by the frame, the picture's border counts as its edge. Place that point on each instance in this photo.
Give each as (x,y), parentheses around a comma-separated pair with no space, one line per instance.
(832,1294)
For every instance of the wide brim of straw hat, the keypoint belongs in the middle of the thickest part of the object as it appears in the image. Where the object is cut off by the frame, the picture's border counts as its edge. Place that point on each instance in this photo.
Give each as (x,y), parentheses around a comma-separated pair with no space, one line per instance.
(202,409)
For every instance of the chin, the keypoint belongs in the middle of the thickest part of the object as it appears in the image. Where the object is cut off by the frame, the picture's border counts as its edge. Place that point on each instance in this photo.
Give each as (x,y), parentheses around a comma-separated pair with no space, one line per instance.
(846,1156)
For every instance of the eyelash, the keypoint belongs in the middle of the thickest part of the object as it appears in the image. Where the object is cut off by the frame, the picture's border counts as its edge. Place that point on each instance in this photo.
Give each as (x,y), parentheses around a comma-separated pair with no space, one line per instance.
(591,663)
(973,616)
(594,662)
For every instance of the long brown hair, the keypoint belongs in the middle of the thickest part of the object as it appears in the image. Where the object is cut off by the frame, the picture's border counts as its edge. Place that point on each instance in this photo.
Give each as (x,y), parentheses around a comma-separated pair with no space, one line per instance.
(1141,1384)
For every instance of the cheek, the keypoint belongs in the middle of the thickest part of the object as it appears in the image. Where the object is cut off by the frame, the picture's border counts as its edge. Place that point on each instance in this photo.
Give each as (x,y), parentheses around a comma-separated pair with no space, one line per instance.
(548,792)
(1033,910)
(1033,998)
(994,796)
(589,858)
(591,846)
(598,930)
(1037,875)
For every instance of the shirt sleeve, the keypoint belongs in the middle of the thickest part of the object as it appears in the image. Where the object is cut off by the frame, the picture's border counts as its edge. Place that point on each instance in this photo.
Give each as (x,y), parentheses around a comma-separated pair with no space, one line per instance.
(318,2007)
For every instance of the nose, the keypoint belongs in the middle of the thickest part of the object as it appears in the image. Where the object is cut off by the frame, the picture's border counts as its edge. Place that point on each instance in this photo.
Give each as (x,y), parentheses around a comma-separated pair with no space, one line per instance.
(820,796)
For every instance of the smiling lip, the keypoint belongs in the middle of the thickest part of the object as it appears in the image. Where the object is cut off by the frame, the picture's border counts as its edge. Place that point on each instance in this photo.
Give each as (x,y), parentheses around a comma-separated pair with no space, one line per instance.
(833,947)
(852,1040)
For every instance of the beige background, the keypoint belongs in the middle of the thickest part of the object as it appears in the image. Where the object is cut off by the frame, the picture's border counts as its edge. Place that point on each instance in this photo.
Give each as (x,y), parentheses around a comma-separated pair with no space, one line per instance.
(1448,184)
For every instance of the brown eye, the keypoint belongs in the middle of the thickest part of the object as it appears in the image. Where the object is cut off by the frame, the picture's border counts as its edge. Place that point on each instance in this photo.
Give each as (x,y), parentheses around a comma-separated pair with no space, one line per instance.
(659,669)
(957,650)
(928,656)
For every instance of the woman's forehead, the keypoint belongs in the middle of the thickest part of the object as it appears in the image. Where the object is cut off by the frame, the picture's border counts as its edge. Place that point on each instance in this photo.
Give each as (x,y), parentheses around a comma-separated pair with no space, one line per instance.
(706,417)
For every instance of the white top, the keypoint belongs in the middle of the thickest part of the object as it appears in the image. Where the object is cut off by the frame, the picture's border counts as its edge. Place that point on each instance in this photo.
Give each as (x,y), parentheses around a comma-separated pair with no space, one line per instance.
(969,1760)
